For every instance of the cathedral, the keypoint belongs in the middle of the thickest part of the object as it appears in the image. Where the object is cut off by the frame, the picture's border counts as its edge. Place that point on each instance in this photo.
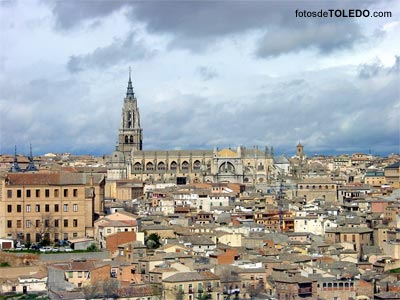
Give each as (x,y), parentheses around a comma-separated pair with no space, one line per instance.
(129,161)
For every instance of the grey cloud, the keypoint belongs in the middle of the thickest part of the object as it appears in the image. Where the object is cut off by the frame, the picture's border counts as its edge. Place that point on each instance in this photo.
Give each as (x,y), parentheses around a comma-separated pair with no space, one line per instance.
(366,71)
(313,110)
(195,25)
(325,37)
(54,115)
(70,14)
(119,51)
(206,73)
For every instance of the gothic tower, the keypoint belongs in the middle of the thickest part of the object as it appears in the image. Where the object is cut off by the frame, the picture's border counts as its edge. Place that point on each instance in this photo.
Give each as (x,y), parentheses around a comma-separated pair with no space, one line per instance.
(130,133)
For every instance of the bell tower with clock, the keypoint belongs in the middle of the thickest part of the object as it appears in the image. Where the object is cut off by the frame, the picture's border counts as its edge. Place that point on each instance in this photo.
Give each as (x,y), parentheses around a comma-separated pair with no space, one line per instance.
(130,133)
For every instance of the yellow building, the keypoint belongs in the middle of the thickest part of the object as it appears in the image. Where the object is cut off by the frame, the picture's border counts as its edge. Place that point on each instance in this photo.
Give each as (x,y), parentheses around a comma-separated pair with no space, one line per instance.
(53,206)
(192,285)
(317,188)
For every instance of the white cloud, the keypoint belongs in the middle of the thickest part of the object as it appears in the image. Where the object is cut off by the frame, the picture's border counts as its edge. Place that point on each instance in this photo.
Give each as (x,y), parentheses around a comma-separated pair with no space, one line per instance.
(201,79)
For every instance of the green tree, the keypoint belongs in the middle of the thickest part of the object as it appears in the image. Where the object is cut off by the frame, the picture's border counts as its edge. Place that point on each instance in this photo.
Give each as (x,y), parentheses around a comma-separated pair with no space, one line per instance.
(153,241)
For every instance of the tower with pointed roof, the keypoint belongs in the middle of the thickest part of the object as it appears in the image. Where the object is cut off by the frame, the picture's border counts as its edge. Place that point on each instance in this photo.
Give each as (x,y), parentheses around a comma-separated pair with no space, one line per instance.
(31,166)
(15,168)
(130,133)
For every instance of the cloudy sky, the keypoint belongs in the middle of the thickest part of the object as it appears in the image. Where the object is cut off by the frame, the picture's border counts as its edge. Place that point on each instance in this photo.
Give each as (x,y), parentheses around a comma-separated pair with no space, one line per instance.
(206,74)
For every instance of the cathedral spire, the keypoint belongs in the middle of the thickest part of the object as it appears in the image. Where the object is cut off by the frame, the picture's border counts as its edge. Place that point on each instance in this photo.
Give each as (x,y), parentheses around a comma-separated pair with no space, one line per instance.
(129,90)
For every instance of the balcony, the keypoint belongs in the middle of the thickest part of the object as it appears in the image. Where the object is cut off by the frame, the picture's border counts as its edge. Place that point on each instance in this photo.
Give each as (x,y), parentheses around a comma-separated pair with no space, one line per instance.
(305,290)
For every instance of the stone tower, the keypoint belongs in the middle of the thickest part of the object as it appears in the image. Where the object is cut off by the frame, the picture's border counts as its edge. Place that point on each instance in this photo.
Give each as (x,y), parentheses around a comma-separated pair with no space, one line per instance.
(300,151)
(130,134)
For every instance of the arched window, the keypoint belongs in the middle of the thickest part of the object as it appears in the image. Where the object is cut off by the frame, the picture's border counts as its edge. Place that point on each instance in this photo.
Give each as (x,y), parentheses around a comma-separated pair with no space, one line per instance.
(137,166)
(161,166)
(126,139)
(196,165)
(226,167)
(174,166)
(185,166)
(131,139)
(329,285)
(149,166)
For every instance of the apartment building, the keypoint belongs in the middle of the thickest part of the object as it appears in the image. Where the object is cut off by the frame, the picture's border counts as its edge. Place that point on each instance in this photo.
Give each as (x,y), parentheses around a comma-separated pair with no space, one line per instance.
(53,206)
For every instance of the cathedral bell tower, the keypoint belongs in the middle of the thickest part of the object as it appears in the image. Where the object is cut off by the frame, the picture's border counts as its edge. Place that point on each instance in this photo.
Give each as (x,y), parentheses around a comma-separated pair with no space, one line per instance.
(130,133)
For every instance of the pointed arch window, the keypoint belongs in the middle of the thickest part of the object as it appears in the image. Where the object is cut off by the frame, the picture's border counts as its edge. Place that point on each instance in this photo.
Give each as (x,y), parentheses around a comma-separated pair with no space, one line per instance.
(161,166)
(137,166)
(197,165)
(129,119)
(149,166)
(185,166)
(126,139)
(131,139)
(174,166)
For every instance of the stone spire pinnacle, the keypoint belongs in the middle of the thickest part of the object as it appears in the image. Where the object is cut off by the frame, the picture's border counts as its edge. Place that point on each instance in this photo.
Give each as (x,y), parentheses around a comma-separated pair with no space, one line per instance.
(129,90)
(15,167)
(31,166)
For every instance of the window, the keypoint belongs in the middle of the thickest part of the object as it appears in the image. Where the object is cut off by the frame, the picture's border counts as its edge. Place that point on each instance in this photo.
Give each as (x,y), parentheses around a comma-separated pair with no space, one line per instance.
(28,224)
(65,192)
(37,223)
(75,235)
(56,223)
(47,208)
(28,208)
(65,236)
(65,207)
(9,223)
(56,208)
(75,223)
(47,193)
(9,208)
(56,193)
(65,222)
(75,207)
(75,192)
(47,223)
(19,193)
(19,208)
(37,207)
(70,274)
(28,193)
(9,193)
(79,274)
(37,193)
(19,223)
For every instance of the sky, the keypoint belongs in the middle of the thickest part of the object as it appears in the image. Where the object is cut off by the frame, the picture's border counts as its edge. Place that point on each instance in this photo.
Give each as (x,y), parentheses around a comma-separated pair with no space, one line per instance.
(206,74)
